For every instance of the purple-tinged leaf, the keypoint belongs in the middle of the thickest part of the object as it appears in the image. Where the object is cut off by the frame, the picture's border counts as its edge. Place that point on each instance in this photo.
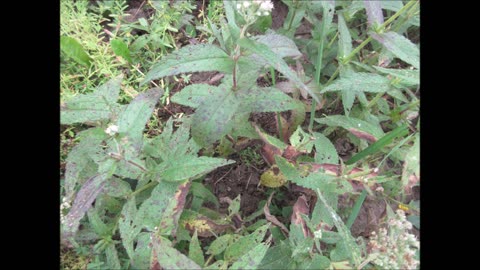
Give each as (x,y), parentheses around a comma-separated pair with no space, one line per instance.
(374,13)
(85,197)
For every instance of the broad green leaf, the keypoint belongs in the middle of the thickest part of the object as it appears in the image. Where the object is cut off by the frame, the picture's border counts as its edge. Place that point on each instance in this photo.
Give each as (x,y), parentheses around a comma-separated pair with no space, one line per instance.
(98,105)
(279,44)
(121,49)
(157,207)
(276,61)
(353,250)
(374,13)
(75,50)
(201,191)
(359,128)
(234,207)
(143,252)
(380,144)
(195,250)
(132,121)
(97,224)
(116,187)
(213,119)
(189,167)
(83,201)
(219,245)
(194,95)
(127,227)
(79,164)
(400,46)
(242,127)
(245,244)
(112,257)
(170,258)
(266,99)
(408,77)
(191,58)
(278,257)
(300,244)
(221,264)
(252,258)
(325,151)
(344,39)
(317,262)
(230,13)
(360,82)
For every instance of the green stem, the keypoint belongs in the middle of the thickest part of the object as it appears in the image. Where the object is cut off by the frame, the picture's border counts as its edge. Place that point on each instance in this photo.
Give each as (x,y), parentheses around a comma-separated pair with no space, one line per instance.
(147,186)
(279,120)
(317,72)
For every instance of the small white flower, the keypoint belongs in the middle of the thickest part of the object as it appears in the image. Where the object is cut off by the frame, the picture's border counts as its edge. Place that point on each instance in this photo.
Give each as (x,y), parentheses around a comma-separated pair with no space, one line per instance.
(239,6)
(112,130)
(266,6)
(318,234)
(265,13)
(246,4)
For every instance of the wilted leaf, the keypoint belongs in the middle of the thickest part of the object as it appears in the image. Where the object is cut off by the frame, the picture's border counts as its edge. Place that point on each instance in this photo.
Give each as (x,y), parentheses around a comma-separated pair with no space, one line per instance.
(204,226)
(400,46)
(74,49)
(272,218)
(191,58)
(374,13)
(301,208)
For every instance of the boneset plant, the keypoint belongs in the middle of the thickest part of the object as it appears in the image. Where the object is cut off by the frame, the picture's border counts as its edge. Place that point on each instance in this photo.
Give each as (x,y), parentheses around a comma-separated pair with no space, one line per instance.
(225,109)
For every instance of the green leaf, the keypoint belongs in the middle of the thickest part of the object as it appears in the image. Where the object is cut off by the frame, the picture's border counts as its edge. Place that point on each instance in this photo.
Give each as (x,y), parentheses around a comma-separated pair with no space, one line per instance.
(234,207)
(132,121)
(221,264)
(219,245)
(317,262)
(400,46)
(278,257)
(380,144)
(266,99)
(301,140)
(359,127)
(170,258)
(360,82)
(98,105)
(201,191)
(325,151)
(351,246)
(214,120)
(191,58)
(188,167)
(344,39)
(195,250)
(279,44)
(252,258)
(116,187)
(121,49)
(194,95)
(112,257)
(245,244)
(127,227)
(230,13)
(143,252)
(374,13)
(75,50)
(408,77)
(276,61)
(97,224)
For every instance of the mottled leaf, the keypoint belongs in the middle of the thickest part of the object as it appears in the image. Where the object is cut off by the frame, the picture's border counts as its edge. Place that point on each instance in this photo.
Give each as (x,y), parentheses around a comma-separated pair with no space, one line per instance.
(143,250)
(127,227)
(266,99)
(189,167)
(360,82)
(98,105)
(221,264)
(132,121)
(276,61)
(195,94)
(75,50)
(252,258)
(245,243)
(195,250)
(317,262)
(408,77)
(83,201)
(97,224)
(116,187)
(219,245)
(358,127)
(400,46)
(168,257)
(191,58)
(279,44)
(278,257)
(112,257)
(344,38)
(325,151)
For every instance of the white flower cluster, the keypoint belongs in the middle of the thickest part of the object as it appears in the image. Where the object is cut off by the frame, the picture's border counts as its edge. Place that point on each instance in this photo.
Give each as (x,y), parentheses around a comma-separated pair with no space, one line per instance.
(250,9)
(111,130)
(395,247)
(65,205)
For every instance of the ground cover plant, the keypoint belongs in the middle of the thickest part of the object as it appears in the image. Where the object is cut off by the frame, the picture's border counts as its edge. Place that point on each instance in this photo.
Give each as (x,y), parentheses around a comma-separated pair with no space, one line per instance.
(240,134)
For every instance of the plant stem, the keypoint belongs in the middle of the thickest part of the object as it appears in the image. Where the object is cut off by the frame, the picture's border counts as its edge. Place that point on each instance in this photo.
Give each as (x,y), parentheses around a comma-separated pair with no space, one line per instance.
(147,186)
(317,70)
(279,120)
